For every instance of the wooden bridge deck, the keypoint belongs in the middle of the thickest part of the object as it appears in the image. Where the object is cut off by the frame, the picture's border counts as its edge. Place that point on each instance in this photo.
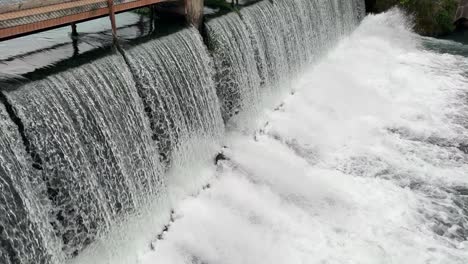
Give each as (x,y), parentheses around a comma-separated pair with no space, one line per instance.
(24,21)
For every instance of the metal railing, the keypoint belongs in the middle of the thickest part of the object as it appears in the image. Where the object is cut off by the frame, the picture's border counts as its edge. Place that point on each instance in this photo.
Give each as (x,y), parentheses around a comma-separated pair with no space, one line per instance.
(26,21)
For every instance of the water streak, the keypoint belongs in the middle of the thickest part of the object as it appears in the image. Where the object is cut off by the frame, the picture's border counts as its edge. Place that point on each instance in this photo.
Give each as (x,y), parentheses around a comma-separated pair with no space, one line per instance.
(25,233)
(179,96)
(260,49)
(98,160)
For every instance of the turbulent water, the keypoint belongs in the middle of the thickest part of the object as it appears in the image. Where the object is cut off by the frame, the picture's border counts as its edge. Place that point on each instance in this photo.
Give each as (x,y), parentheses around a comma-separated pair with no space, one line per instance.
(257,51)
(362,159)
(366,162)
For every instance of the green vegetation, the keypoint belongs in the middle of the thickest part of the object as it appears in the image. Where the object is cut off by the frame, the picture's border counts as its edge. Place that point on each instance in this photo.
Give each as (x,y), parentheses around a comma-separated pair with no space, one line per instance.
(221,4)
(431,17)
(143,11)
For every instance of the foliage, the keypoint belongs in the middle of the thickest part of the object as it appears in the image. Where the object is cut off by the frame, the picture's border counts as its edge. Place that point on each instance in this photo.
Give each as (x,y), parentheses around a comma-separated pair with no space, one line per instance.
(143,11)
(221,4)
(432,17)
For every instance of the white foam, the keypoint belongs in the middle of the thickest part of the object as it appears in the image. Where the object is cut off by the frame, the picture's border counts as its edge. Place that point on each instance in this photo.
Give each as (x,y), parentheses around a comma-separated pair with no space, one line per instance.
(361,165)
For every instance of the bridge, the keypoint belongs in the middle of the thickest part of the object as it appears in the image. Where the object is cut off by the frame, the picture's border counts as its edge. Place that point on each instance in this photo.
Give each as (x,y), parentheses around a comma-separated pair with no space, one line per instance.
(461,17)
(31,16)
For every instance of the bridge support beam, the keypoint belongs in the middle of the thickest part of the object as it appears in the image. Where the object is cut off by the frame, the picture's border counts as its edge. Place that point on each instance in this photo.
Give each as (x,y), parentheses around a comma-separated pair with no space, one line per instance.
(74,30)
(194,12)
(110,3)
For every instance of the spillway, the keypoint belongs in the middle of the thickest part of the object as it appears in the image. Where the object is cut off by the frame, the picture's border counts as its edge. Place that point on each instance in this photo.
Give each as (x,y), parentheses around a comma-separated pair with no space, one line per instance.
(91,144)
(260,49)
(178,93)
(25,232)
(365,163)
(310,129)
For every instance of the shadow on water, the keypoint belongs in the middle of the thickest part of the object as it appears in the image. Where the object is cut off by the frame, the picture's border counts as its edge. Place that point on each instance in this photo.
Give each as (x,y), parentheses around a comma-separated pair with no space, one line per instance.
(37,56)
(460,36)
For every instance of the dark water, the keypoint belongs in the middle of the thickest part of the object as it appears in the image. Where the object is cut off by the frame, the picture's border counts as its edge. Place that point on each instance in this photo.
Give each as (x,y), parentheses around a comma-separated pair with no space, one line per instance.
(455,43)
(43,53)
(460,36)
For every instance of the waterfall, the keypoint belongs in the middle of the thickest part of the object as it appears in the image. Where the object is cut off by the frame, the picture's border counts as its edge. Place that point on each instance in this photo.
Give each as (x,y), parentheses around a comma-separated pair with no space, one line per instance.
(88,148)
(366,162)
(235,60)
(24,235)
(262,47)
(174,78)
(88,128)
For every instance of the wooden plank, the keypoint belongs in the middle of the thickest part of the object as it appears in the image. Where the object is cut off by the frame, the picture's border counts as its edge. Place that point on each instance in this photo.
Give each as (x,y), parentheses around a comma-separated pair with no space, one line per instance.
(48,9)
(28,4)
(137,4)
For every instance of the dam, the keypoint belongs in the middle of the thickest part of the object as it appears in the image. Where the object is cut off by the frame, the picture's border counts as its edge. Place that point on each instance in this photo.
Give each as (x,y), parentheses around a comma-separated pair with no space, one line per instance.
(246,140)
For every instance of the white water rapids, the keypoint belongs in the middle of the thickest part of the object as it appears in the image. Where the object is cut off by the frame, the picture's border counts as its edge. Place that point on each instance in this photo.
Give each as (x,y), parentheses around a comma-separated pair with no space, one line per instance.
(363,163)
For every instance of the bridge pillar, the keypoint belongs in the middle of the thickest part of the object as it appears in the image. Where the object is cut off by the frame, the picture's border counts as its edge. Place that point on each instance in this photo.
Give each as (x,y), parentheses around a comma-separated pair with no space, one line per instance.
(74,33)
(194,12)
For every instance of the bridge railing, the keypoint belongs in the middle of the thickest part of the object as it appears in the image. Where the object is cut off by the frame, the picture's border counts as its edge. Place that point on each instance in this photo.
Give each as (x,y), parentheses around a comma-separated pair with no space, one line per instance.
(38,15)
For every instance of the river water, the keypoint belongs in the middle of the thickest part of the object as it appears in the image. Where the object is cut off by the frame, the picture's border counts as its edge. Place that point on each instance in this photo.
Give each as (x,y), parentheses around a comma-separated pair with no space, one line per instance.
(366,161)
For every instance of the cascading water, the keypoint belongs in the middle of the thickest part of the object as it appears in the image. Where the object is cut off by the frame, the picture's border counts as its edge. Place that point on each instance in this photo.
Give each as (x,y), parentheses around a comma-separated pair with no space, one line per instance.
(257,51)
(179,100)
(91,143)
(24,235)
(366,165)
(179,96)
(232,47)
